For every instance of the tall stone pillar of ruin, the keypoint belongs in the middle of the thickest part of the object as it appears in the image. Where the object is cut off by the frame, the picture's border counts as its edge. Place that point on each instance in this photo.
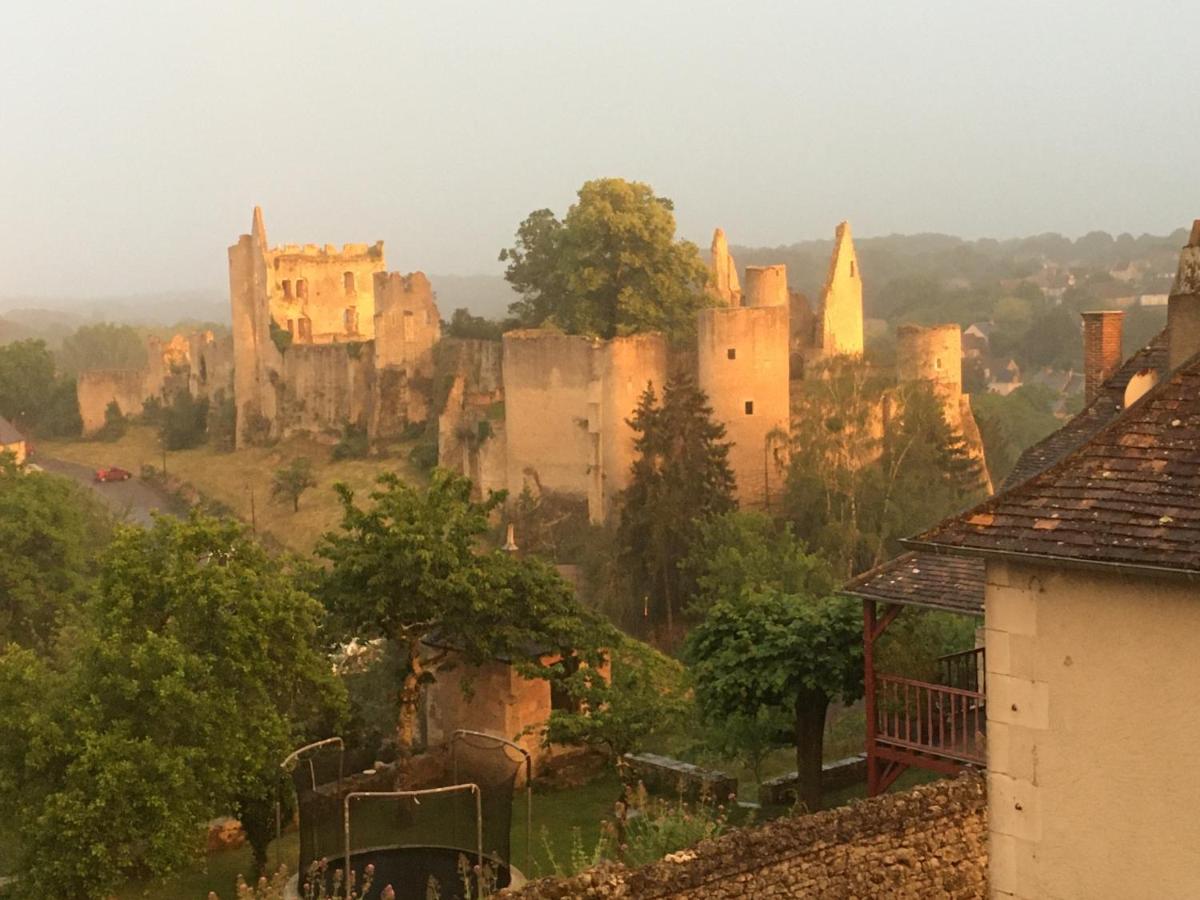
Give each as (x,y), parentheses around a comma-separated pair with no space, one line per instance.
(724,269)
(841,309)
(1183,306)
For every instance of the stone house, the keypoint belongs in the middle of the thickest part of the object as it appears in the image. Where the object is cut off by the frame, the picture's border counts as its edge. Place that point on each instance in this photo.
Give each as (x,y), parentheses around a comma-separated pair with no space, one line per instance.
(1084,568)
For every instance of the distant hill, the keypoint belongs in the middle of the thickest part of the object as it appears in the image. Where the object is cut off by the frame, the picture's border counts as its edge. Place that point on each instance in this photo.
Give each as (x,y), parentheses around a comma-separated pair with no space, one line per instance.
(484,295)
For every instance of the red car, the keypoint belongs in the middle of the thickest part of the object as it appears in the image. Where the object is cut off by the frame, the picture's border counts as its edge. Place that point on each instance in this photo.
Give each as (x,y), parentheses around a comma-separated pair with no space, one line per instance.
(113,473)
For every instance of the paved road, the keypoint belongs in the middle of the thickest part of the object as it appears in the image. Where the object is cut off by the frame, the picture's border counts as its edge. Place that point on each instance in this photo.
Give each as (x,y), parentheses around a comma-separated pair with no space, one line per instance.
(132,499)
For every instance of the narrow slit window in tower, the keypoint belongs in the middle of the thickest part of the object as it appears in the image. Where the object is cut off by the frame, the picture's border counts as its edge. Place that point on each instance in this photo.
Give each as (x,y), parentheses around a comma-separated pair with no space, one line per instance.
(749,407)
(731,353)
(348,282)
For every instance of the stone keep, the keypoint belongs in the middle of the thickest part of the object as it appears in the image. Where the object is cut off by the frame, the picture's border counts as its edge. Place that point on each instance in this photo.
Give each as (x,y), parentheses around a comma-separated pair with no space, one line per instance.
(742,366)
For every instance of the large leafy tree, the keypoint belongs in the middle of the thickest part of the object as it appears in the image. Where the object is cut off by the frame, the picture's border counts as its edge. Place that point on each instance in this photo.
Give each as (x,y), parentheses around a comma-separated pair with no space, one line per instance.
(680,478)
(33,394)
(610,266)
(766,651)
(408,567)
(194,671)
(51,530)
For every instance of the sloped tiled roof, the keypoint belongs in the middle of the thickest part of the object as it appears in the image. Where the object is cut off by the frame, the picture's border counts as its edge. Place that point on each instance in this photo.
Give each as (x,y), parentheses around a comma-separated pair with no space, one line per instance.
(1107,405)
(9,433)
(1129,495)
(951,583)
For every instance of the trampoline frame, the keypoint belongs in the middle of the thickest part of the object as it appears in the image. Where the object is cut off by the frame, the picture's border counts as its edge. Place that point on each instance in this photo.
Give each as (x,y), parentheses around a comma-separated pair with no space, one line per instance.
(464,732)
(399,795)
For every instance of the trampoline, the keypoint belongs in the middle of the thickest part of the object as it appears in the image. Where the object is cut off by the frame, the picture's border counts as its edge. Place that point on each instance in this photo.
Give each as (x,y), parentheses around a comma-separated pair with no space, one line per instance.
(455,837)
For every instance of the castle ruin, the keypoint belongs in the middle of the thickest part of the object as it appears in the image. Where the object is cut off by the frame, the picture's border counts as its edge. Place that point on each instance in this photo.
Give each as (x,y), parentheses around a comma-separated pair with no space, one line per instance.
(324,337)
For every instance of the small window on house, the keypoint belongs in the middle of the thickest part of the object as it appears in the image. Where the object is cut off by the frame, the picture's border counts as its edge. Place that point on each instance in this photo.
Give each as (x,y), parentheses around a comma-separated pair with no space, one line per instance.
(287,289)
(749,407)
(302,288)
(731,353)
(348,282)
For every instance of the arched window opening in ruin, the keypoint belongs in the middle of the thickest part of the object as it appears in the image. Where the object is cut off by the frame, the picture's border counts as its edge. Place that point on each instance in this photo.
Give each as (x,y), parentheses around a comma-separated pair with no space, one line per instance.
(731,353)
(302,288)
(203,371)
(351,320)
(292,327)
(348,282)
(306,329)
(287,289)
(749,407)
(1138,385)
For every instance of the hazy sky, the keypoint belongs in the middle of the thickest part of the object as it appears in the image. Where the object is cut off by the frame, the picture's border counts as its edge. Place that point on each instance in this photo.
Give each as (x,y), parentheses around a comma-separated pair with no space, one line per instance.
(136,137)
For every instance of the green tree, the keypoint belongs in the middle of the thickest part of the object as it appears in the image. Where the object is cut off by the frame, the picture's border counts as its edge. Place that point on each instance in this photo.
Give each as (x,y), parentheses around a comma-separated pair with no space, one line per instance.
(774,650)
(33,395)
(184,421)
(103,345)
(291,481)
(51,530)
(221,424)
(1012,423)
(408,566)
(748,551)
(115,423)
(195,670)
(611,266)
(464,325)
(681,477)
(647,692)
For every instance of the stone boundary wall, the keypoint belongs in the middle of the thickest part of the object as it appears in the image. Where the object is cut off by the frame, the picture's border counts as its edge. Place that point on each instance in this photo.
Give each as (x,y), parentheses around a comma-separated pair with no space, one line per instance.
(834,775)
(927,842)
(664,775)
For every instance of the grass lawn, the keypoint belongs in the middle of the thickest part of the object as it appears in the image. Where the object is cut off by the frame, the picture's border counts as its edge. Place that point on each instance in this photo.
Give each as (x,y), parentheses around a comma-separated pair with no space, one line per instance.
(232,478)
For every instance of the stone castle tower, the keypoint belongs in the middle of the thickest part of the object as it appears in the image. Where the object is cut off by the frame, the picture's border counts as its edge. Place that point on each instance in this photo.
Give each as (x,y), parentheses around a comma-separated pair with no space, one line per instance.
(742,365)
(934,354)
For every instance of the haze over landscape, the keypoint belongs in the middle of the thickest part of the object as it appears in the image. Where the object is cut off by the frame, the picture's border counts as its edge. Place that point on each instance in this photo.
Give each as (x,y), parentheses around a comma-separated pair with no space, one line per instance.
(135,145)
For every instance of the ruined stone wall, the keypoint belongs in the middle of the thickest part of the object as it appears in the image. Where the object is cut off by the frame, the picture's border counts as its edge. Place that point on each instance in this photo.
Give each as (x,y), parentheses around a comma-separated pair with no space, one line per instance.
(743,363)
(472,438)
(320,387)
(726,286)
(97,388)
(566,398)
(407,326)
(841,311)
(766,286)
(210,363)
(322,294)
(624,368)
(927,842)
(255,355)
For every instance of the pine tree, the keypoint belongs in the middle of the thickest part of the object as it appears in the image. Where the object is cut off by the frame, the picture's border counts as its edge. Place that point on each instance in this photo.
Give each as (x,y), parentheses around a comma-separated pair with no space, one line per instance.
(681,477)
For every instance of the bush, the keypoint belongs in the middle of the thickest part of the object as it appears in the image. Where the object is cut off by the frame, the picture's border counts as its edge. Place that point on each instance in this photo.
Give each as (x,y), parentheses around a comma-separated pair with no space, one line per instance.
(354,443)
(184,422)
(115,423)
(281,337)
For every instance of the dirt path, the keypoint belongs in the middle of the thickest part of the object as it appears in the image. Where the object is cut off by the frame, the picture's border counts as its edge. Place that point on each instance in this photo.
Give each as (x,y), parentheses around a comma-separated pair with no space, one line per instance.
(133,500)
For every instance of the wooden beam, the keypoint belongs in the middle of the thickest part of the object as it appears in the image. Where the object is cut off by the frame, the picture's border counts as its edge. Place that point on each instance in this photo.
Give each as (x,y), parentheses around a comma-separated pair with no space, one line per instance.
(888,617)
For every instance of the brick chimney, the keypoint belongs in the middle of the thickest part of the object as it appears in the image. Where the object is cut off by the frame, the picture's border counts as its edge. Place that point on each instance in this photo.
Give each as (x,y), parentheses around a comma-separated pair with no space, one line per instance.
(1101,349)
(1183,307)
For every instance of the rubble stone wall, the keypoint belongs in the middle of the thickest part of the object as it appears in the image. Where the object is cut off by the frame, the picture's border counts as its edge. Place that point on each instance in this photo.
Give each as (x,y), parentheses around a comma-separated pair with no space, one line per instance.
(927,842)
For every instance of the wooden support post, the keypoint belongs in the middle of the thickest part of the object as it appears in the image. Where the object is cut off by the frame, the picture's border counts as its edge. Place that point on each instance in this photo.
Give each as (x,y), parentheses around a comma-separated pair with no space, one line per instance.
(869,694)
